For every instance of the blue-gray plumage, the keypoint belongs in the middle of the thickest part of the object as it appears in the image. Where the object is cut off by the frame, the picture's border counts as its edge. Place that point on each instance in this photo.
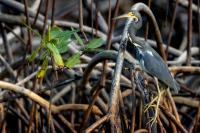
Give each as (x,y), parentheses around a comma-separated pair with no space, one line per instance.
(148,58)
(153,64)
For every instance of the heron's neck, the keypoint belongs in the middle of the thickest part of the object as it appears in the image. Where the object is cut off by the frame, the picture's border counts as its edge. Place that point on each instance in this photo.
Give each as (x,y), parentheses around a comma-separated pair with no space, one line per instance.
(131,32)
(126,29)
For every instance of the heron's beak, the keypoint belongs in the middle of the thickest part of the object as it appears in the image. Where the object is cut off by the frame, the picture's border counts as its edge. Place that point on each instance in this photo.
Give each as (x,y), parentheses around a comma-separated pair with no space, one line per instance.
(122,16)
(128,15)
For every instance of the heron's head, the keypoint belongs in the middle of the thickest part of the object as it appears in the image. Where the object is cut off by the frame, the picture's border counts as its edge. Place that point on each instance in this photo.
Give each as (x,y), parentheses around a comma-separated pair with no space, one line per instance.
(134,22)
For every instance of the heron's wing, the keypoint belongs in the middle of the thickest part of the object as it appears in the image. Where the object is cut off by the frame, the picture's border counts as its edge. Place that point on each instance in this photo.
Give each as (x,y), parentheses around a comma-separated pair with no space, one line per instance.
(155,66)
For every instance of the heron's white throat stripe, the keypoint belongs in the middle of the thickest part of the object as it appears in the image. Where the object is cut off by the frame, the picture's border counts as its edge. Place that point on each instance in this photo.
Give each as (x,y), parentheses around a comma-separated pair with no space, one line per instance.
(137,45)
(130,38)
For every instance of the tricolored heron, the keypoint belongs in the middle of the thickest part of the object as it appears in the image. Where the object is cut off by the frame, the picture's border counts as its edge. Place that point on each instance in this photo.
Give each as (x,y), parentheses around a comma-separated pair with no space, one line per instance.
(149,60)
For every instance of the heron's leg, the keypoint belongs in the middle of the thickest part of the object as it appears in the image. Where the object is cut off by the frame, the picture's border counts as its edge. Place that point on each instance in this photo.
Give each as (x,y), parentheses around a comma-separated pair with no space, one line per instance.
(156,100)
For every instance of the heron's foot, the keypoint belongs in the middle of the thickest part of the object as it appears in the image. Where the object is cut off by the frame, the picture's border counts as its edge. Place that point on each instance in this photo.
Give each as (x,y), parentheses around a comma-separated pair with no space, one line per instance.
(151,104)
(152,120)
(154,104)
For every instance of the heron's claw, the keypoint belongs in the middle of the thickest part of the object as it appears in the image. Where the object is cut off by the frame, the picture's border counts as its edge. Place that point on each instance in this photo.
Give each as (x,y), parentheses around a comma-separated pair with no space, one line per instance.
(155,104)
(152,121)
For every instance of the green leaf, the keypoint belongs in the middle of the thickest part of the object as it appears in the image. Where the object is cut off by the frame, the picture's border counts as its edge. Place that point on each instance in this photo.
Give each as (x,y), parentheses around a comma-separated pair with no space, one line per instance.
(33,55)
(80,41)
(59,34)
(95,43)
(54,41)
(55,32)
(63,47)
(62,39)
(73,60)
(44,54)
(56,55)
(41,73)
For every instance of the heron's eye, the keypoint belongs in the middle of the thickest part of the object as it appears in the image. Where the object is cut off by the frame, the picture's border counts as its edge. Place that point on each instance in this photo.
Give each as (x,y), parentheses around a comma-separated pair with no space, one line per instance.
(135,19)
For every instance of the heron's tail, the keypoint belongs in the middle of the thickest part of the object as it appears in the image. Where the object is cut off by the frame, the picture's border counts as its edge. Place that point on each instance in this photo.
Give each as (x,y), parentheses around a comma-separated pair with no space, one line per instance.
(176,86)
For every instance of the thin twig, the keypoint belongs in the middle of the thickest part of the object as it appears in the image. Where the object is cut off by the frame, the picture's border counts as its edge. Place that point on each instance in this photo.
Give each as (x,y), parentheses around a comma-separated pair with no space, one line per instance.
(81,19)
(133,103)
(67,123)
(46,17)
(8,67)
(174,109)
(186,101)
(88,111)
(172,27)
(37,14)
(173,119)
(26,92)
(20,7)
(189,33)
(147,24)
(6,43)
(29,45)
(97,123)
(53,12)
(184,69)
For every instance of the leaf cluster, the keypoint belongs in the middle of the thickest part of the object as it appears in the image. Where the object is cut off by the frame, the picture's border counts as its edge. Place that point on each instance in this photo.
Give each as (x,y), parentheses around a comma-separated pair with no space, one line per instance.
(55,43)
